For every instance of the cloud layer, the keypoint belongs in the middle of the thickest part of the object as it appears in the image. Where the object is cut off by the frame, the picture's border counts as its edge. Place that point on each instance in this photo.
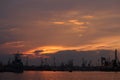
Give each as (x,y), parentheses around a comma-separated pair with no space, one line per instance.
(80,24)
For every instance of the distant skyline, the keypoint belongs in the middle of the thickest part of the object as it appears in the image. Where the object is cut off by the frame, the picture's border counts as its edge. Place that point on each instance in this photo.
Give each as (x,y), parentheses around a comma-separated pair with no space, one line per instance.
(50,26)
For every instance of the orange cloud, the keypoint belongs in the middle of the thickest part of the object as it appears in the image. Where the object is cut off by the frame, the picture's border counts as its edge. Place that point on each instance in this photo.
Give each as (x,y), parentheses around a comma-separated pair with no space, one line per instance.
(69,22)
(58,22)
(103,43)
(113,41)
(76,22)
(47,49)
(54,49)
(51,49)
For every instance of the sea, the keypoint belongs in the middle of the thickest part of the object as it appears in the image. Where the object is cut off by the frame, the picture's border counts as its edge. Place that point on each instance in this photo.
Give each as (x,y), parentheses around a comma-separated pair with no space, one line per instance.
(57,75)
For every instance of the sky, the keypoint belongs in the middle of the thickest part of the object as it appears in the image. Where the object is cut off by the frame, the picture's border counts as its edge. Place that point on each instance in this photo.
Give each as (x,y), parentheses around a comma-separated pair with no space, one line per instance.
(48,26)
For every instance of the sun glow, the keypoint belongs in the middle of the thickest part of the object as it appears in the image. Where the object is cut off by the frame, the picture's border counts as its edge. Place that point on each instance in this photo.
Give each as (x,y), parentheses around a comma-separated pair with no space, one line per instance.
(96,44)
(47,49)
(54,49)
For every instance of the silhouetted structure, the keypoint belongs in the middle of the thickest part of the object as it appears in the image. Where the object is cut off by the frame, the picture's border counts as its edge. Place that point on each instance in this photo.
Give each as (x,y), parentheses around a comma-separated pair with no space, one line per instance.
(17,66)
(116,61)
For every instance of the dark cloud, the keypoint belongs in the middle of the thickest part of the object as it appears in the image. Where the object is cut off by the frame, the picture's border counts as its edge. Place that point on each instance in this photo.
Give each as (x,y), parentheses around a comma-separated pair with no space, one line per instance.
(37,52)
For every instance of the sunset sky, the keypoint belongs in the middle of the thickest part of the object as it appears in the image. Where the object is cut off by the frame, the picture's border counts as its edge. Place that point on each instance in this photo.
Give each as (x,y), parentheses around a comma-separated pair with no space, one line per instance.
(54,25)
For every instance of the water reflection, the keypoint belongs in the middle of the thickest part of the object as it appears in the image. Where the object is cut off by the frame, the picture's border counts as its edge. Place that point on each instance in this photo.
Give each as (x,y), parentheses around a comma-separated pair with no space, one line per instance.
(47,75)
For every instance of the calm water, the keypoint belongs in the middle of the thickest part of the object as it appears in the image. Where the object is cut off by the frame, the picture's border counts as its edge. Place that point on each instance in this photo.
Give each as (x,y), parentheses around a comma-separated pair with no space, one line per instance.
(49,75)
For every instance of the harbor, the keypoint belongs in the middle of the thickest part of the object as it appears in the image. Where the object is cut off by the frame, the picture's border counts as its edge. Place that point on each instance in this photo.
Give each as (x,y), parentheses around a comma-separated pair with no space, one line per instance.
(17,66)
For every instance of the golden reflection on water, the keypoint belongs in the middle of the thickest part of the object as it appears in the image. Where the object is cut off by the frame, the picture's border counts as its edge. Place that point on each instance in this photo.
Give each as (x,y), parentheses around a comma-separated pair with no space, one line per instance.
(50,75)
